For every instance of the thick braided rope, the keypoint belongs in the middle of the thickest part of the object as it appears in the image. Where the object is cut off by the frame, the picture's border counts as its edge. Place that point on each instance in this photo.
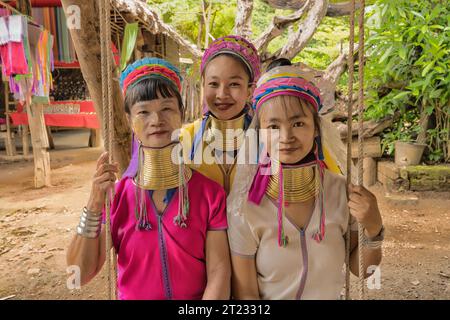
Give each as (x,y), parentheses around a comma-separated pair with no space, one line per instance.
(351,65)
(360,143)
(109,61)
(105,135)
(104,22)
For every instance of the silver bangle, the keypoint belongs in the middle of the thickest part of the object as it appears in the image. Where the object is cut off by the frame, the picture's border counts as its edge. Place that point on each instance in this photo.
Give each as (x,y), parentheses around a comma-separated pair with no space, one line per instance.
(90,224)
(375,242)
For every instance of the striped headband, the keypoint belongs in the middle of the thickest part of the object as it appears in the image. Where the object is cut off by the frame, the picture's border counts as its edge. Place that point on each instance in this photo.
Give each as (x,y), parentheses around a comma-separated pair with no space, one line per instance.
(237,46)
(287,81)
(147,68)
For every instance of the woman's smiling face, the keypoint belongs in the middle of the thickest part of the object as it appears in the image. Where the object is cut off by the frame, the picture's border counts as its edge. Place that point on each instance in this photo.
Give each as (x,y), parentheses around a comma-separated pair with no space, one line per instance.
(292,128)
(226,87)
(154,121)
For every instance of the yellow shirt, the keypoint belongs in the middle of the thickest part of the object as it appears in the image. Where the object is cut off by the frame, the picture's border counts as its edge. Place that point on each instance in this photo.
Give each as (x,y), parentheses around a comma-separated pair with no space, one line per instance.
(213,171)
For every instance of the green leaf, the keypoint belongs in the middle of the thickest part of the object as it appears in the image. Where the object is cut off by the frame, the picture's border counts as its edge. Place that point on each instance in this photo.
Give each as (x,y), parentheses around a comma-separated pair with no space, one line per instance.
(436,93)
(402,53)
(401,95)
(417,14)
(427,68)
(436,26)
(385,55)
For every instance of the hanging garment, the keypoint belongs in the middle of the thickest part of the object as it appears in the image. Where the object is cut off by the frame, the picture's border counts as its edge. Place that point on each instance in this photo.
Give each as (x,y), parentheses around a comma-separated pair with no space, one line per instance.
(54,33)
(13,59)
(12,51)
(15,27)
(4,33)
(62,24)
(43,76)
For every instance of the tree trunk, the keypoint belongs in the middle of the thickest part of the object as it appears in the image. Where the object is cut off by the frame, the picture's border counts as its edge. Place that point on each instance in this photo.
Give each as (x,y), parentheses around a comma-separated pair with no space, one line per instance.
(341,9)
(86,41)
(207,21)
(423,123)
(370,127)
(333,10)
(39,141)
(298,40)
(328,82)
(200,30)
(243,22)
(278,25)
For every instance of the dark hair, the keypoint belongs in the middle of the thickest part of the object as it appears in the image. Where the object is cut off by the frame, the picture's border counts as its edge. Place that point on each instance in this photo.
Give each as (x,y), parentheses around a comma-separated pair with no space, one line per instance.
(151,89)
(278,63)
(243,64)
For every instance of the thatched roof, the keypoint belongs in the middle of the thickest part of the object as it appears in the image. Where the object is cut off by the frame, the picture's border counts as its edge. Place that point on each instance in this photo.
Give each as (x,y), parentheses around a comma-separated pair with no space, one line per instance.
(150,20)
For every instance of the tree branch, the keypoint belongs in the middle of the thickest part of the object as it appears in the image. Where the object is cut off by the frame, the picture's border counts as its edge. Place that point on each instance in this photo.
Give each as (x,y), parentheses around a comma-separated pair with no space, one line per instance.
(331,77)
(153,23)
(338,66)
(243,20)
(278,25)
(333,10)
(298,40)
(341,9)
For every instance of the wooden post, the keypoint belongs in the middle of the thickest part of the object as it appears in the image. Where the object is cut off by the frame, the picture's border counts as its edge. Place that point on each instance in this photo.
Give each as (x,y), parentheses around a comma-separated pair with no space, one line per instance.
(39,141)
(25,144)
(372,148)
(370,171)
(51,143)
(95,138)
(10,144)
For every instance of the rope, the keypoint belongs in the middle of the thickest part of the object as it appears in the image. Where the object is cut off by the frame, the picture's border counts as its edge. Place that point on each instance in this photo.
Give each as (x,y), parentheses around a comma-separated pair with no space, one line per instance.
(111,126)
(108,127)
(361,272)
(350,64)
(361,143)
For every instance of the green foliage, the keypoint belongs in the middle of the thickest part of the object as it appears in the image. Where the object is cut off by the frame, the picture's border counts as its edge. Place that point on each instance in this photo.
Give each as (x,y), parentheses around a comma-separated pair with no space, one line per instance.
(408,50)
(403,130)
(185,16)
(329,40)
(409,68)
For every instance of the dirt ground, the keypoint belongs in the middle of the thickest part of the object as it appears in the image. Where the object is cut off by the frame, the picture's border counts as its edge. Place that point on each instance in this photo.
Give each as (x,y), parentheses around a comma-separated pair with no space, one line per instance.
(36,226)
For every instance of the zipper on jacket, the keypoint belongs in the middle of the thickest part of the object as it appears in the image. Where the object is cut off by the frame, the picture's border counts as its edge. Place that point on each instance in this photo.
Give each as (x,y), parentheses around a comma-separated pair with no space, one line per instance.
(163,251)
(304,273)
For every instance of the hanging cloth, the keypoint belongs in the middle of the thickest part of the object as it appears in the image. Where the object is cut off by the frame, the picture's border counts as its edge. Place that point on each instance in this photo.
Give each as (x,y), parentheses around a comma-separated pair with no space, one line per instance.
(4,33)
(65,36)
(12,40)
(54,31)
(15,28)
